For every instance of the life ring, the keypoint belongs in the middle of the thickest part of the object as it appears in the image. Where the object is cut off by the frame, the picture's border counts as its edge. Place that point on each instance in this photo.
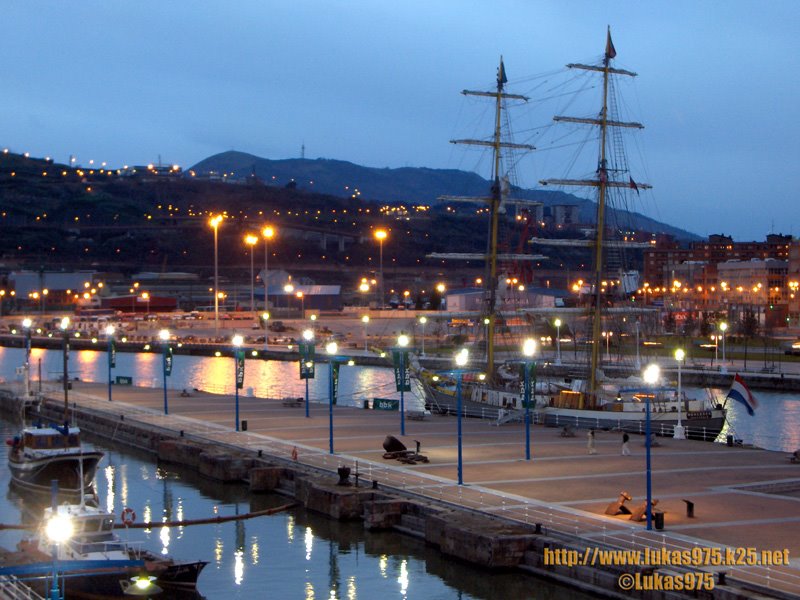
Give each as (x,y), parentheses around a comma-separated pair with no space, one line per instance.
(128,516)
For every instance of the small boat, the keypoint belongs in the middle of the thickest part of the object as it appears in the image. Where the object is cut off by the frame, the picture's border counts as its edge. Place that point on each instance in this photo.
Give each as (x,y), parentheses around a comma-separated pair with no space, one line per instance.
(40,454)
(96,563)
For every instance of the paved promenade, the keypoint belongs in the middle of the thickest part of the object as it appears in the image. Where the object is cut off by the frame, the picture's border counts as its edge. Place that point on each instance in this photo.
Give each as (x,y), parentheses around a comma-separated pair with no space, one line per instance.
(743,497)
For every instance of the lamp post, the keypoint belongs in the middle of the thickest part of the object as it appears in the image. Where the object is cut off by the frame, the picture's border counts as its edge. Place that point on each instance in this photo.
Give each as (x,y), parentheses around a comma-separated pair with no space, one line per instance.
(715,339)
(380,235)
(265,318)
(146,298)
(422,321)
(365,321)
(251,241)
(529,350)
(678,432)
(402,344)
(288,289)
(111,355)
(307,358)
(302,299)
(461,361)
(651,375)
(214,223)
(238,379)
(723,327)
(557,323)
(267,233)
(331,348)
(26,325)
(166,363)
(59,529)
(441,289)
(65,351)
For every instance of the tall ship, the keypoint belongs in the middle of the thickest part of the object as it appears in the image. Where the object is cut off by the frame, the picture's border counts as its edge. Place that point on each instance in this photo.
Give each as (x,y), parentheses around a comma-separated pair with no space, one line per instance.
(590,400)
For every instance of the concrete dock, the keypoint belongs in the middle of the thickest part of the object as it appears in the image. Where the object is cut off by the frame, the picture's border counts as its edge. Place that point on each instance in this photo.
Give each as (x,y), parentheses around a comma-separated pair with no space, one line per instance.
(743,497)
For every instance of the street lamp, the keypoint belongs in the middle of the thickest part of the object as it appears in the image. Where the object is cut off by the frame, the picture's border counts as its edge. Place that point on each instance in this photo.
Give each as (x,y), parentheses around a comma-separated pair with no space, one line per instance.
(461,360)
(441,288)
(723,327)
(651,375)
(251,241)
(111,355)
(146,298)
(364,289)
(529,350)
(166,363)
(715,339)
(422,321)
(265,318)
(557,323)
(380,235)
(59,529)
(288,289)
(26,325)
(267,233)
(402,343)
(65,350)
(365,321)
(214,223)
(307,358)
(331,348)
(238,381)
(678,432)
(302,298)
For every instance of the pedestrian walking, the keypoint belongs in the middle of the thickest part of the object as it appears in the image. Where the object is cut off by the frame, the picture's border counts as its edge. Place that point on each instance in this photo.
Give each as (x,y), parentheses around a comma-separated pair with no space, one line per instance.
(626,451)
(590,442)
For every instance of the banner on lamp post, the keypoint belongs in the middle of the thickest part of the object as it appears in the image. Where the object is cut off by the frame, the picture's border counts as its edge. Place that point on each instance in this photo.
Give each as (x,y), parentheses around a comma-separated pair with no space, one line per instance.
(168,361)
(112,353)
(306,360)
(335,381)
(239,369)
(402,376)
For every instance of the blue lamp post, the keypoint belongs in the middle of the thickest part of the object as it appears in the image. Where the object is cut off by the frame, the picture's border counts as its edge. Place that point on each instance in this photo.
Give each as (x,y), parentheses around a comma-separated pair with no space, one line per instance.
(402,343)
(65,354)
(651,375)
(238,361)
(59,529)
(307,360)
(112,356)
(528,349)
(461,361)
(26,325)
(331,348)
(166,363)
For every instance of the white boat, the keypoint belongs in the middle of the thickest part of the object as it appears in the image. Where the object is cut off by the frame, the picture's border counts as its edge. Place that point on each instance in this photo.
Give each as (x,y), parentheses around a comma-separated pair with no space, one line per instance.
(41,454)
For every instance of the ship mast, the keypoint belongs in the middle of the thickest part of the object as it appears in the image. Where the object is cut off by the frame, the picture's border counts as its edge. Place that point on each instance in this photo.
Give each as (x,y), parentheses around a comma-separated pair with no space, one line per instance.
(494,202)
(602,183)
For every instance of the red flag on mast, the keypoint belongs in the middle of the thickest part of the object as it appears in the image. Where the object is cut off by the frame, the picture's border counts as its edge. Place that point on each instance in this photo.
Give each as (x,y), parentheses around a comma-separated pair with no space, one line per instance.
(610,51)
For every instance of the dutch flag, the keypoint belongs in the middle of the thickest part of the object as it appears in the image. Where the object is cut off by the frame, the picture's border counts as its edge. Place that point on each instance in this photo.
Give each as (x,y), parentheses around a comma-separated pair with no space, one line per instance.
(740,392)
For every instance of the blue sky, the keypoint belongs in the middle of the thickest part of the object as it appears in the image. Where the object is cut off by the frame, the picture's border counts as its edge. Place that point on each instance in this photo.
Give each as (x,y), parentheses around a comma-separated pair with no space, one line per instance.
(378,83)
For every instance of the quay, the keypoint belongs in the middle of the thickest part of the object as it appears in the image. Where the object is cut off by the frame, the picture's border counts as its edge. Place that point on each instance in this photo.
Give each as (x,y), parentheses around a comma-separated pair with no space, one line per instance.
(509,513)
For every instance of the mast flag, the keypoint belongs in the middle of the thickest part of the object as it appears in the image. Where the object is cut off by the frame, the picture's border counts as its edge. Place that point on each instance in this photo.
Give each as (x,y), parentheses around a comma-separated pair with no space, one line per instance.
(634,186)
(610,51)
(501,74)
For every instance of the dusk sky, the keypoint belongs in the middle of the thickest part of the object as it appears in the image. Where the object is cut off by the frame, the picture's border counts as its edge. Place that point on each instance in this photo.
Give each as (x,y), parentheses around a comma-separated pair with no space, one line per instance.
(378,83)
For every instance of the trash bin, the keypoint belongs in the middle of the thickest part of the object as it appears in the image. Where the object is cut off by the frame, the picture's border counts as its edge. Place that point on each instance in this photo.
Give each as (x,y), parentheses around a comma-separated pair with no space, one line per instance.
(244,425)
(659,520)
(729,441)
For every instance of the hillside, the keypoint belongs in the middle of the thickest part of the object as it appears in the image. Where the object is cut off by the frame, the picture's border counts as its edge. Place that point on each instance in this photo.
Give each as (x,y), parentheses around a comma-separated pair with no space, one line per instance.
(407,185)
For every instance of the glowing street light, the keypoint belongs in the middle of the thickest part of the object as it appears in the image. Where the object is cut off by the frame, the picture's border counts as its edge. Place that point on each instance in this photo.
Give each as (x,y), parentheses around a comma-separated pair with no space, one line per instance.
(251,241)
(302,299)
(214,223)
(265,318)
(365,321)
(26,325)
(59,529)
(238,362)
(651,375)
(267,233)
(422,320)
(64,326)
(307,358)
(331,348)
(461,360)
(607,335)
(678,432)
(528,350)
(723,327)
(557,323)
(380,235)
(164,336)
(402,344)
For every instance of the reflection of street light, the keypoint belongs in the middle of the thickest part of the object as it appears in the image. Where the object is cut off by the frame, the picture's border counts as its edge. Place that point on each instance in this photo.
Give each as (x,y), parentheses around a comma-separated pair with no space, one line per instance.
(723,327)
(64,327)
(163,335)
(651,375)
(607,335)
(380,235)
(365,321)
(110,334)
(214,223)
(331,348)
(529,350)
(557,323)
(267,234)
(422,321)
(237,341)
(402,343)
(461,361)
(251,241)
(678,431)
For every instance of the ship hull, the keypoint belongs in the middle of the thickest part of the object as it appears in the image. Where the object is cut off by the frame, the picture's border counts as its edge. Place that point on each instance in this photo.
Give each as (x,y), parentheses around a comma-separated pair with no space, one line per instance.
(37,474)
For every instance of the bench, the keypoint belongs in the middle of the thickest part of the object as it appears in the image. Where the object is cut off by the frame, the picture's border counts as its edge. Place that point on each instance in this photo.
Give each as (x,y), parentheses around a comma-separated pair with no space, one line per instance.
(292,401)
